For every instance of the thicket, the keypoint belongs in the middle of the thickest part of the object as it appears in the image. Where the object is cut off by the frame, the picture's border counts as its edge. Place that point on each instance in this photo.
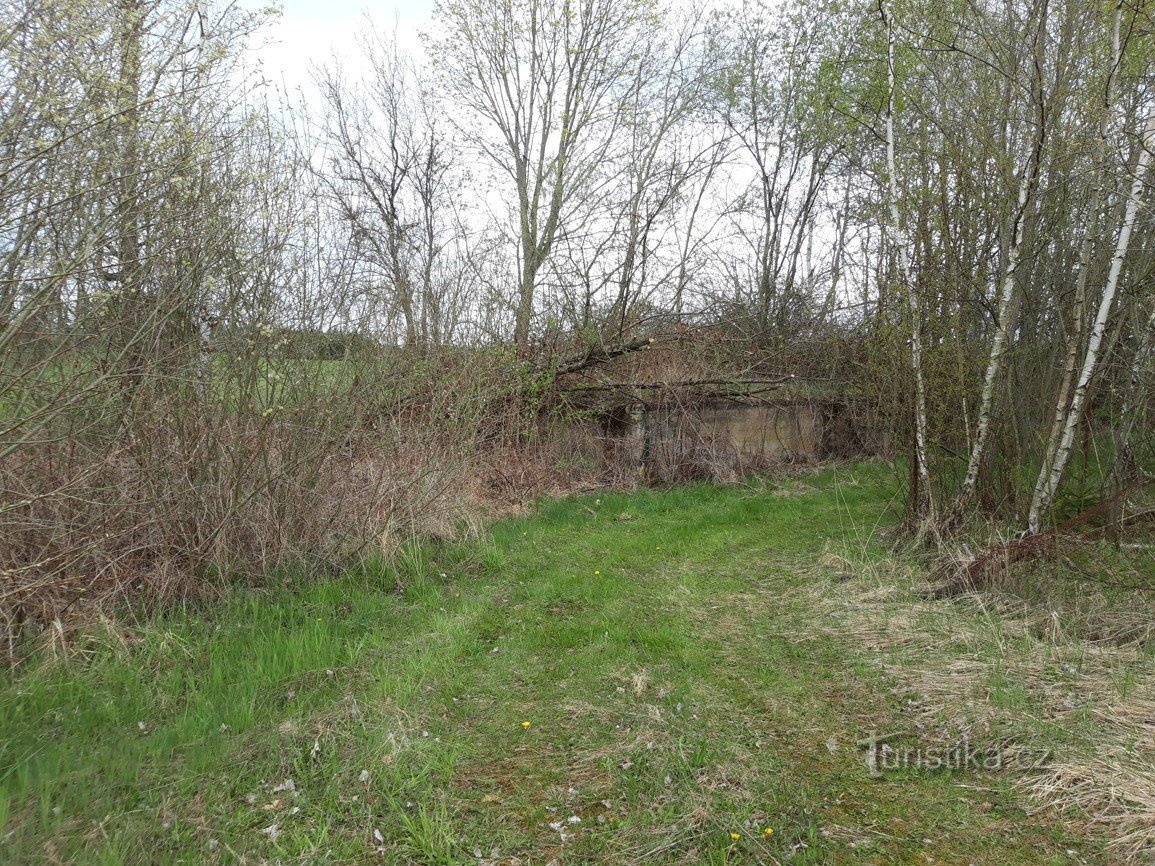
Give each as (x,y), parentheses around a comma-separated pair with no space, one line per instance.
(238,335)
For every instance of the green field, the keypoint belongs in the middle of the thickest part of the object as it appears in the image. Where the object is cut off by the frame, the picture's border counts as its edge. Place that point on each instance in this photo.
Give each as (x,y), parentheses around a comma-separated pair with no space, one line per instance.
(678,676)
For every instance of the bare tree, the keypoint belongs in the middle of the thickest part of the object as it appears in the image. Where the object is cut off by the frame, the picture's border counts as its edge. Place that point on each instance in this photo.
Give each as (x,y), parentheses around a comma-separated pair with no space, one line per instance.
(387,170)
(771,101)
(543,81)
(1077,336)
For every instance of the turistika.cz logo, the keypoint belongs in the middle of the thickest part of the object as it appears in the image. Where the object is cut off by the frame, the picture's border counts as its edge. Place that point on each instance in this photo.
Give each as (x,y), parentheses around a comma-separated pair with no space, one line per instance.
(880,756)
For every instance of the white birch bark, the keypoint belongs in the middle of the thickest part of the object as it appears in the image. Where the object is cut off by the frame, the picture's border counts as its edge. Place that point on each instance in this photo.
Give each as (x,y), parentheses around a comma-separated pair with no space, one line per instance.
(1005,299)
(925,502)
(1044,493)
(1075,341)
(1005,295)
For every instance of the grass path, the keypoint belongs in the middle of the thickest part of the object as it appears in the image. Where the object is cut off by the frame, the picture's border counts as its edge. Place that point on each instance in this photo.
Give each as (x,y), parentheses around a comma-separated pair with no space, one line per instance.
(610,680)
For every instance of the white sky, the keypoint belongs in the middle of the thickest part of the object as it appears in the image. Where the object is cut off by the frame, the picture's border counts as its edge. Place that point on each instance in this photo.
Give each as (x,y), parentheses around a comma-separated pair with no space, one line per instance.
(311,31)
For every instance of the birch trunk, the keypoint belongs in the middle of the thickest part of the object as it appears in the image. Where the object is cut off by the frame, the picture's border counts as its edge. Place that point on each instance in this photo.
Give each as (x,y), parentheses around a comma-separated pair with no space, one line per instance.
(1005,296)
(1045,491)
(925,499)
(1005,299)
(1076,339)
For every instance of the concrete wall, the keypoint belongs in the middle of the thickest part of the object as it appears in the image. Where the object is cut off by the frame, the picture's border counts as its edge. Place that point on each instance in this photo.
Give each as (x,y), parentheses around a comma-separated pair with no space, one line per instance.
(768,432)
(716,440)
(724,439)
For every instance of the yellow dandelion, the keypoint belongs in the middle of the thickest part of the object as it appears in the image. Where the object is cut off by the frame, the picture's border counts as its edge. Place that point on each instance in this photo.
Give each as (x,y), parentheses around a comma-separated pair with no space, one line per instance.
(525,724)
(596,572)
(735,836)
(769,831)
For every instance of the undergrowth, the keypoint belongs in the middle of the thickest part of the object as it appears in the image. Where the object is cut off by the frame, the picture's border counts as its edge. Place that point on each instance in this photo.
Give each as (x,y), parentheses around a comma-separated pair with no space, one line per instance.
(679,676)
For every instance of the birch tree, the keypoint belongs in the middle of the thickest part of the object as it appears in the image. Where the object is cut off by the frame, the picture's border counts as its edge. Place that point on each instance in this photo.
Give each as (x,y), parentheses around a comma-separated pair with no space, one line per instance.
(1050,477)
(1006,295)
(925,498)
(1077,337)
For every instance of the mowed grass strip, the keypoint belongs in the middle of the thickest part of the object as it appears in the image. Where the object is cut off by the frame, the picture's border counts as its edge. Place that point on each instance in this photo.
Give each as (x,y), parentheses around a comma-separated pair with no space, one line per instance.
(607,680)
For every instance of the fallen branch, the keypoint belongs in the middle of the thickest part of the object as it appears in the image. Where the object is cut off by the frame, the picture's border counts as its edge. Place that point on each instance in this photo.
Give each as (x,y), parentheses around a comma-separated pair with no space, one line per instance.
(1147,516)
(690,383)
(995,560)
(599,355)
(654,393)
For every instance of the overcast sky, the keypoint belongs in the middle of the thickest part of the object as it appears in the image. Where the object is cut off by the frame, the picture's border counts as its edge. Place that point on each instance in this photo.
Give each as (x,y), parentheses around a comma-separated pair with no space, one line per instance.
(310,31)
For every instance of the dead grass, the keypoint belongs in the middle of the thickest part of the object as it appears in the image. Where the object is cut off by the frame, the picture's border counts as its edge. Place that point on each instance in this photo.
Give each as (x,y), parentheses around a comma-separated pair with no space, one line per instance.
(1110,795)
(998,671)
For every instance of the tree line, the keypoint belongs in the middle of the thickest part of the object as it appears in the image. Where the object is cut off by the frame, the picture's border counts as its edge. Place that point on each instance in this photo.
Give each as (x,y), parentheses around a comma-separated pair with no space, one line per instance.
(941,207)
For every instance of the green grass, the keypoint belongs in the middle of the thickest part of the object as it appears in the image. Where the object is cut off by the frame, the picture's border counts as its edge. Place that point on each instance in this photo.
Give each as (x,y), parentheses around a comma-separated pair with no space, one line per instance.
(650,641)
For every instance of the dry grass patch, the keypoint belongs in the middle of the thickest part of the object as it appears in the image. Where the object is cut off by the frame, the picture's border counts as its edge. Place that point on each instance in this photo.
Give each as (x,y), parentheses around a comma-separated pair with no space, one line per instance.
(997,672)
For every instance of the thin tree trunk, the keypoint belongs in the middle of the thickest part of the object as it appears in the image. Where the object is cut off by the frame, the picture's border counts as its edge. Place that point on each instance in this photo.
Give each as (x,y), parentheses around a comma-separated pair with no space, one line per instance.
(1075,341)
(130,23)
(1006,295)
(1045,492)
(1134,404)
(924,502)
(524,311)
